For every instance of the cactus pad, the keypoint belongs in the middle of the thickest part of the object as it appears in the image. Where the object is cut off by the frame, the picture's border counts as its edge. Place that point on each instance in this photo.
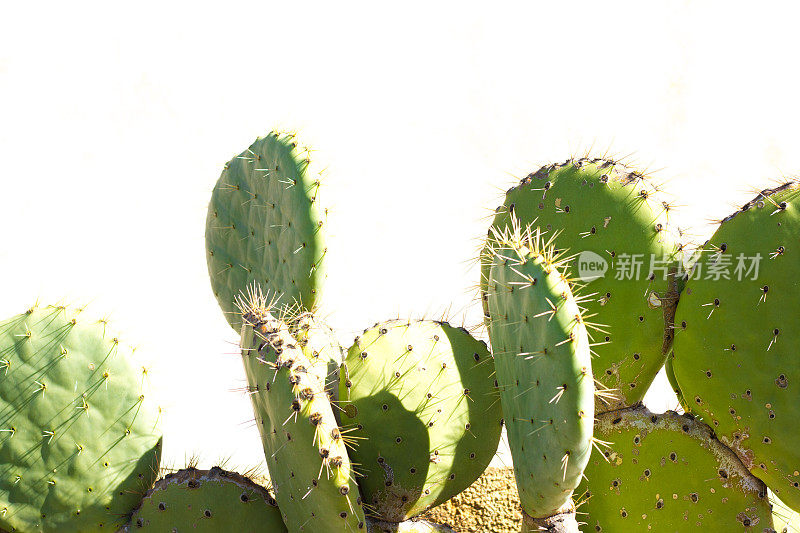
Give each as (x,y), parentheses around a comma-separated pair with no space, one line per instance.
(544,370)
(264,225)
(78,439)
(305,451)
(426,414)
(737,339)
(666,472)
(610,215)
(207,501)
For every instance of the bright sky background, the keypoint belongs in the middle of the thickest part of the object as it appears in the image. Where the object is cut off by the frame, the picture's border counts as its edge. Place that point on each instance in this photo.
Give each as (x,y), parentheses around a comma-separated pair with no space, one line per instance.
(116,119)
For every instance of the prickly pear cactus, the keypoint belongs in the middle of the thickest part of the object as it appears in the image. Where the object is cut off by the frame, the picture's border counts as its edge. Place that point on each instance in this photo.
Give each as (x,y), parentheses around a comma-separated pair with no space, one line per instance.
(615,220)
(264,225)
(736,347)
(666,472)
(79,444)
(305,450)
(207,501)
(544,371)
(420,403)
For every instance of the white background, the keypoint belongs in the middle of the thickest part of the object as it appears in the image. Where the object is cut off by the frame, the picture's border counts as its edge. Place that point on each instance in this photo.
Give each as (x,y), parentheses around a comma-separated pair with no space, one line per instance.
(116,119)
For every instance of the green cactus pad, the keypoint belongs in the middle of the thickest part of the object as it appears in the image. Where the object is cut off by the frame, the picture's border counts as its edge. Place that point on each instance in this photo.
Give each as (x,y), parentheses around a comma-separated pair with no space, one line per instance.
(666,473)
(305,451)
(409,526)
(207,501)
(420,399)
(604,212)
(78,439)
(544,370)
(737,339)
(264,225)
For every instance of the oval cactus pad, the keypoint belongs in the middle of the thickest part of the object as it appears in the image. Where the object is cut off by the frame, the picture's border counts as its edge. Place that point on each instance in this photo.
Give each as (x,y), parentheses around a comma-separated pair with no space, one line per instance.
(667,473)
(615,220)
(264,225)
(78,439)
(737,337)
(207,501)
(420,403)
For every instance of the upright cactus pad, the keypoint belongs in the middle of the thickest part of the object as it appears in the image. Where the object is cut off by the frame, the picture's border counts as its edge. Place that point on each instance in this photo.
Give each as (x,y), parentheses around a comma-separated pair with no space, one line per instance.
(544,371)
(615,220)
(304,447)
(667,473)
(738,336)
(78,439)
(264,225)
(420,399)
(207,501)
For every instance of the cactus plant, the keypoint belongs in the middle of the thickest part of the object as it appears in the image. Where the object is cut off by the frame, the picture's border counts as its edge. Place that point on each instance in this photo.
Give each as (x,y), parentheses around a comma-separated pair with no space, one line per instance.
(207,501)
(737,335)
(305,450)
(264,224)
(667,472)
(79,444)
(544,370)
(616,220)
(425,412)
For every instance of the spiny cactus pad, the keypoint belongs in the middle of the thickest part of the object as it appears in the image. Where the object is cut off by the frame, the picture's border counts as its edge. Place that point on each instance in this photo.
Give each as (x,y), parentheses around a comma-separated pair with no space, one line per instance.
(207,501)
(606,214)
(425,412)
(78,439)
(306,455)
(264,225)
(544,370)
(737,339)
(666,472)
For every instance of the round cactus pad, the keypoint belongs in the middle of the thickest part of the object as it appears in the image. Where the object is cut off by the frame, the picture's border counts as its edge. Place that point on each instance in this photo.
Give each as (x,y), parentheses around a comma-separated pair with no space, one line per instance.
(264,225)
(78,439)
(420,403)
(737,337)
(666,473)
(207,501)
(616,222)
